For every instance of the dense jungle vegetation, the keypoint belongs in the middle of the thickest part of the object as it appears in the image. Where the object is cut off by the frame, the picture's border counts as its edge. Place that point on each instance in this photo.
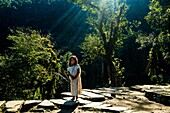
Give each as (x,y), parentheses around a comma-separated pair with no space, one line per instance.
(118,43)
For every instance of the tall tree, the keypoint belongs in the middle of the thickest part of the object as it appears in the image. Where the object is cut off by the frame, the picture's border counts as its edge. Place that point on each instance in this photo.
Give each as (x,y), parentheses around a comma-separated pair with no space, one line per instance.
(109,28)
(158,42)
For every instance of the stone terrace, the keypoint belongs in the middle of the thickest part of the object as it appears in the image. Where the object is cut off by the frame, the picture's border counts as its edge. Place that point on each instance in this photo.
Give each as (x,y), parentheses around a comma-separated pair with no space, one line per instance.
(115,100)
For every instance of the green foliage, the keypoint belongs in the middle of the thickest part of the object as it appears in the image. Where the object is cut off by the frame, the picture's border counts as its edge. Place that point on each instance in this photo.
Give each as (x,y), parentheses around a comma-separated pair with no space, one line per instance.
(92,48)
(27,69)
(158,42)
(15,3)
(107,19)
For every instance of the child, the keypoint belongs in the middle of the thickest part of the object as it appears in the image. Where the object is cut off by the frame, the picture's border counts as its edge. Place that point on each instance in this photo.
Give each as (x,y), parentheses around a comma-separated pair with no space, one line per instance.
(74,73)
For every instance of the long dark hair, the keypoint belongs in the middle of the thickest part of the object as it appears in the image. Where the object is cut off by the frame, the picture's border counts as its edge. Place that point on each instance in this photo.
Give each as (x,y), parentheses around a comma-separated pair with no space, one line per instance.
(75,59)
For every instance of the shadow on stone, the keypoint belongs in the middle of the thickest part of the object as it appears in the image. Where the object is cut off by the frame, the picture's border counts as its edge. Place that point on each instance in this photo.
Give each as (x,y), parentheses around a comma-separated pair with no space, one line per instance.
(69,106)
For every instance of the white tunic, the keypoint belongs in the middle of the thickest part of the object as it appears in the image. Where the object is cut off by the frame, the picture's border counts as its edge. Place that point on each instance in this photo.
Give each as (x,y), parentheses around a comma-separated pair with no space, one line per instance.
(76,86)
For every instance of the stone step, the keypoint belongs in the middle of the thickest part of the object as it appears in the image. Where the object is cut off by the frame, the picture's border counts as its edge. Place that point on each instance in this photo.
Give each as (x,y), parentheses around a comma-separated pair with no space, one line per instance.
(91,105)
(80,100)
(106,94)
(68,94)
(93,96)
(14,106)
(58,102)
(2,105)
(46,104)
(28,104)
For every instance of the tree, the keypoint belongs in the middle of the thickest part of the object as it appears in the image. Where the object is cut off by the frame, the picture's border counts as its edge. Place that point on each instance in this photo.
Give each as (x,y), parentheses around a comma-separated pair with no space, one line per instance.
(27,70)
(15,3)
(109,28)
(158,42)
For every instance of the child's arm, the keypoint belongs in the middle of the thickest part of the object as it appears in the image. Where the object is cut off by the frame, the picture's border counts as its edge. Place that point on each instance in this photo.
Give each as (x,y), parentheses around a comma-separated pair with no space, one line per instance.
(78,72)
(70,75)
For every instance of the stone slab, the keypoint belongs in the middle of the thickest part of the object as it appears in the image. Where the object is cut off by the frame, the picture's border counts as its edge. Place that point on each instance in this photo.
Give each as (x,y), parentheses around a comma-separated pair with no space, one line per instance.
(11,104)
(103,106)
(108,95)
(58,101)
(46,104)
(80,100)
(93,96)
(92,105)
(28,102)
(2,103)
(14,109)
(117,109)
(68,94)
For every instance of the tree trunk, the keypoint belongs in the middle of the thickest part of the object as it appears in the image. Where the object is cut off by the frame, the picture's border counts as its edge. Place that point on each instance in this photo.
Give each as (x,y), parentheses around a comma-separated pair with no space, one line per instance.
(110,66)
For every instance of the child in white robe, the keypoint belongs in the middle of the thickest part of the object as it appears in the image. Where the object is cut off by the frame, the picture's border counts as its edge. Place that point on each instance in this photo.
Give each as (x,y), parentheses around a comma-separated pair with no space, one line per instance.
(74,73)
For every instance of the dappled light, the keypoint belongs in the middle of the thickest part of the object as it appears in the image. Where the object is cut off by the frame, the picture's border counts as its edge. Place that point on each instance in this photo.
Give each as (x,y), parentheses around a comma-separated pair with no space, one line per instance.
(87,56)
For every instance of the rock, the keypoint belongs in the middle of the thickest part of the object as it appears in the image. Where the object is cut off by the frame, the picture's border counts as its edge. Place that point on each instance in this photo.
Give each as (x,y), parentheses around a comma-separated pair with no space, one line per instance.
(68,94)
(117,109)
(14,106)
(46,105)
(136,93)
(91,105)
(94,91)
(2,105)
(14,109)
(103,106)
(80,100)
(11,104)
(58,101)
(84,102)
(93,96)
(38,110)
(108,95)
(28,104)
(100,92)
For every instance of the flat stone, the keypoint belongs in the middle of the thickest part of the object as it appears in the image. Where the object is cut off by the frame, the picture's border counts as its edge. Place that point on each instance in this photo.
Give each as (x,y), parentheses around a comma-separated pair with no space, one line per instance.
(46,104)
(14,106)
(14,109)
(103,106)
(92,105)
(2,103)
(80,100)
(38,110)
(67,98)
(108,95)
(94,91)
(136,93)
(66,94)
(117,109)
(93,96)
(11,104)
(62,102)
(58,101)
(28,104)
(84,102)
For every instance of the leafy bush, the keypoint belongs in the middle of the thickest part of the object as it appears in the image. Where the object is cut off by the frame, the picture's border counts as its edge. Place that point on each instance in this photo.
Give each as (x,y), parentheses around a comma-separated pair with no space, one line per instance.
(27,70)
